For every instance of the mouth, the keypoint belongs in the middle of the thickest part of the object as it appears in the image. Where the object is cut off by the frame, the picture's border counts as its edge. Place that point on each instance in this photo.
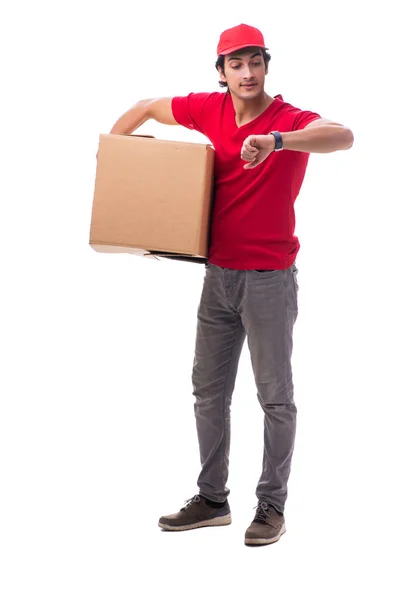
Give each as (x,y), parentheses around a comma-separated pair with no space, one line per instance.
(249,86)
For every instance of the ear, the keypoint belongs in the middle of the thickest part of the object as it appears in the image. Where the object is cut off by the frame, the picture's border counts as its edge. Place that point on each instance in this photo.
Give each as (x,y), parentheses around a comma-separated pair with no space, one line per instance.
(222,76)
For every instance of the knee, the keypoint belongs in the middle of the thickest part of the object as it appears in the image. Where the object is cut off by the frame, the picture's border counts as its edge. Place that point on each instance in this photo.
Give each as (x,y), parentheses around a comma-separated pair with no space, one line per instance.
(275,393)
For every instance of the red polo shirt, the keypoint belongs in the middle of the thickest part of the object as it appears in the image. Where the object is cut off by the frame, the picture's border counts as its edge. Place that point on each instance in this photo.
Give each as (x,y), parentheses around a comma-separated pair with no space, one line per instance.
(253,217)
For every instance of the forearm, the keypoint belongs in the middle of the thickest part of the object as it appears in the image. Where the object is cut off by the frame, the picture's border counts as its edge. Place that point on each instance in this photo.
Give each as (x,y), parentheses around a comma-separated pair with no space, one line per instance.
(324,138)
(132,119)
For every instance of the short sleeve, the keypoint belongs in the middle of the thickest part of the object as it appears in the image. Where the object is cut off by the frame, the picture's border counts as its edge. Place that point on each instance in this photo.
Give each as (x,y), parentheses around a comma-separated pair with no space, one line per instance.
(302,118)
(188,110)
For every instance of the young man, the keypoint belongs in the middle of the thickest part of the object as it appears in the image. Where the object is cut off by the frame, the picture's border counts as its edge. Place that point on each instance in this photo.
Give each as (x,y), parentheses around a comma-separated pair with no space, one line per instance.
(262,146)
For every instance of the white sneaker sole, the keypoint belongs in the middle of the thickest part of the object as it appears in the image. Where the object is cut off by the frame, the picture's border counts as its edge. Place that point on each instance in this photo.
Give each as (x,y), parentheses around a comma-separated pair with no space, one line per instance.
(225,520)
(264,541)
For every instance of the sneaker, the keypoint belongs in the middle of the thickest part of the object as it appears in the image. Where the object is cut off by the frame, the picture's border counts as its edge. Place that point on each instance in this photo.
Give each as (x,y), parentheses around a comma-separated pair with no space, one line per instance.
(267,527)
(196,513)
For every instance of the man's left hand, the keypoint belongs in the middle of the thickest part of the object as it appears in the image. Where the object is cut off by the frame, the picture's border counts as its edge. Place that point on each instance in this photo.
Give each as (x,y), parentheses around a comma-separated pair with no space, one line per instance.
(256,148)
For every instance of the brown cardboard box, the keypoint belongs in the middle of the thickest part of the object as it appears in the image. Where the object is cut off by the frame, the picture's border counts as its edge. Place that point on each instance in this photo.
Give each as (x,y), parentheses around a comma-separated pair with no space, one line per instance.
(152,197)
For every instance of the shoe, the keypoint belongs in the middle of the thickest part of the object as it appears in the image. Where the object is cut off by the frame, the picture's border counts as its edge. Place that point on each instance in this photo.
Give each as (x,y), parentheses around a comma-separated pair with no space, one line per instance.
(196,513)
(267,527)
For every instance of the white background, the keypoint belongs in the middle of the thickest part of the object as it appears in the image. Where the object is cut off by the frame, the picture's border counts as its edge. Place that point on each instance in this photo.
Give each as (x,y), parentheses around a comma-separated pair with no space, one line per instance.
(97,432)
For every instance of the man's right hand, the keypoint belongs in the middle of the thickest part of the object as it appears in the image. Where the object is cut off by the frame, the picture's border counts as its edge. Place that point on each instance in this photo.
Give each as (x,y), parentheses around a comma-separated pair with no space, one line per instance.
(158,109)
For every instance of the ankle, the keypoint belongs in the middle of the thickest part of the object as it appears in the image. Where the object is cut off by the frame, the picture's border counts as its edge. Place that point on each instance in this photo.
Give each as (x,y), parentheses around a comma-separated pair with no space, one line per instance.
(213,504)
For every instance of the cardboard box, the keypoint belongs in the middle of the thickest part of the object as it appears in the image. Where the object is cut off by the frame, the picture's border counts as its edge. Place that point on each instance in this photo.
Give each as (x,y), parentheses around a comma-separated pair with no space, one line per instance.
(152,197)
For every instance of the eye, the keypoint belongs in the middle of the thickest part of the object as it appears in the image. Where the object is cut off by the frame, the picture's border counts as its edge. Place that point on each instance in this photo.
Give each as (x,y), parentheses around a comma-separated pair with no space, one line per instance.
(236,67)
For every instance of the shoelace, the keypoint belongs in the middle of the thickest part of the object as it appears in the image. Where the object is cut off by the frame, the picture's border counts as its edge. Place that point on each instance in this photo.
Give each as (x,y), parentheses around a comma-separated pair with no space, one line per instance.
(263,511)
(196,498)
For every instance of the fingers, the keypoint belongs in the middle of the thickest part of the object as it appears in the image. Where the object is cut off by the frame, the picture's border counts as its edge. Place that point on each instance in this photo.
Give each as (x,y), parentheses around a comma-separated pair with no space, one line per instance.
(248,152)
(249,148)
(252,164)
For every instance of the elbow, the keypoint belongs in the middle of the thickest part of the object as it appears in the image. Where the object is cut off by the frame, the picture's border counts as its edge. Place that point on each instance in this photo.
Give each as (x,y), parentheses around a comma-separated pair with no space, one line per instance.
(348,138)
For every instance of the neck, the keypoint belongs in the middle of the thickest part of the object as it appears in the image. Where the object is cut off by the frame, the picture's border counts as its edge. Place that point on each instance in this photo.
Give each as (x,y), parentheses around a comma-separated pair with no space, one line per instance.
(247,110)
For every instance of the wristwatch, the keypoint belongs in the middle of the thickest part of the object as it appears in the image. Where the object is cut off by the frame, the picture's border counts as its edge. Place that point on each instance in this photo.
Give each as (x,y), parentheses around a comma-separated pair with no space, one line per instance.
(278,140)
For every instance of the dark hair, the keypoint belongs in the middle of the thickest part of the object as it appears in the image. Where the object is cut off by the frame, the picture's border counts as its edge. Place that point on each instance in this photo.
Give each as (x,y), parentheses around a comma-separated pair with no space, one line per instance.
(221,63)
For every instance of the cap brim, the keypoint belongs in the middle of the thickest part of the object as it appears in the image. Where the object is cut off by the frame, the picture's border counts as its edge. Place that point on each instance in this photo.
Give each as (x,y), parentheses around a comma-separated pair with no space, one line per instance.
(234,48)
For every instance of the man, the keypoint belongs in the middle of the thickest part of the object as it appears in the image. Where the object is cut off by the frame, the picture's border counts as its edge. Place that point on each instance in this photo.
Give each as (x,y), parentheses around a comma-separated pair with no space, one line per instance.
(262,146)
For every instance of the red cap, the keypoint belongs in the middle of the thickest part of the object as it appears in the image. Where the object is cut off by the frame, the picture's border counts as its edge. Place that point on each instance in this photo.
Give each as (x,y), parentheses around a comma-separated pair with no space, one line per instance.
(239,37)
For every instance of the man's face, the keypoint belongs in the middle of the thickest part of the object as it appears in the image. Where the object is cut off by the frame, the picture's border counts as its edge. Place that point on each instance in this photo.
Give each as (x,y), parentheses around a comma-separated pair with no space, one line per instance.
(245,72)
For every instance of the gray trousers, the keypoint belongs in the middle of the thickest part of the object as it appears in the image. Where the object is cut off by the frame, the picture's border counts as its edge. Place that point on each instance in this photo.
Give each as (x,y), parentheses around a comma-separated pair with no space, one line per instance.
(261,305)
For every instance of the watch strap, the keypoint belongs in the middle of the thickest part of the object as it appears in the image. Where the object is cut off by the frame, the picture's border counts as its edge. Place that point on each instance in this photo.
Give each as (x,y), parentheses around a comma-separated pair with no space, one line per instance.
(278,140)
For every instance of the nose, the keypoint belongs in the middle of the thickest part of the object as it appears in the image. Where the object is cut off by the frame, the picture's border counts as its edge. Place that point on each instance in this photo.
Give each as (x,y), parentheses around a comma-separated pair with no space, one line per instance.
(247,72)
